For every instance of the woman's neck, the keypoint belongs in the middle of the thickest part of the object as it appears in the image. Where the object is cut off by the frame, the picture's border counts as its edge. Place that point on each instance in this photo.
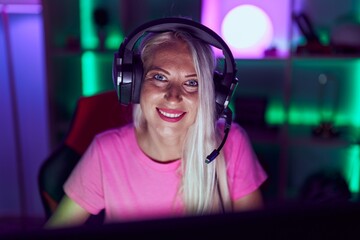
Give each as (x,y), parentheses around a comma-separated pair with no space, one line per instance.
(158,147)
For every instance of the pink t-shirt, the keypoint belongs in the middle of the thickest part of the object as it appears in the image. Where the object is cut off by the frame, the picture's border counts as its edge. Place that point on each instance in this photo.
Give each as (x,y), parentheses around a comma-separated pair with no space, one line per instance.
(114,174)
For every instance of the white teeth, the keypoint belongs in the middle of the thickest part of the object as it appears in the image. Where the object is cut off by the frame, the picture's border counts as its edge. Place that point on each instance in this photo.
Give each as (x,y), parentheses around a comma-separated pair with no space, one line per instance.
(170,115)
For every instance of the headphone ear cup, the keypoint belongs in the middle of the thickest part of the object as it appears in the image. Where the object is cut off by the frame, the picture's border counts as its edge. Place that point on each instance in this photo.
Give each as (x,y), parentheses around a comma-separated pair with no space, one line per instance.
(122,79)
(115,73)
(138,72)
(220,92)
(224,88)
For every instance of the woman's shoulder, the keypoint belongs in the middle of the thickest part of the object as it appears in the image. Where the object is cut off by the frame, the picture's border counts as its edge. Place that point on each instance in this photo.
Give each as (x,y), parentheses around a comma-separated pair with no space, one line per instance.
(119,132)
(237,140)
(236,131)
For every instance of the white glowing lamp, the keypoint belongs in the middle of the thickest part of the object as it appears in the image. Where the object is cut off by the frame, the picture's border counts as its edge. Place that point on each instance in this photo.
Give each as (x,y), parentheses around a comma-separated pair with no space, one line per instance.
(248,31)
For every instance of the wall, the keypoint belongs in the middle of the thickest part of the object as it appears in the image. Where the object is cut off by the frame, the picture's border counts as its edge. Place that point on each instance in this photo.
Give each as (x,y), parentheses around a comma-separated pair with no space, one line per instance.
(24,139)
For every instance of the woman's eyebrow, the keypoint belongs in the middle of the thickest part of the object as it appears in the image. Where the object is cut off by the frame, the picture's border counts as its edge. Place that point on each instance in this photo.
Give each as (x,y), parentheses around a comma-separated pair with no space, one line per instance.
(156,68)
(152,68)
(191,75)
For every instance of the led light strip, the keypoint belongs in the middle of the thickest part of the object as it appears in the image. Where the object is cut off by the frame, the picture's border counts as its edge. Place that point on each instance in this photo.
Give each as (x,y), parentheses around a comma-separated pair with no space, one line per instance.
(21,8)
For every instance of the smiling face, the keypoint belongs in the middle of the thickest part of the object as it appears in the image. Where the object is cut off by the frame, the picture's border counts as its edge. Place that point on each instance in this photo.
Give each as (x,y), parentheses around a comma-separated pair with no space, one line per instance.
(169,94)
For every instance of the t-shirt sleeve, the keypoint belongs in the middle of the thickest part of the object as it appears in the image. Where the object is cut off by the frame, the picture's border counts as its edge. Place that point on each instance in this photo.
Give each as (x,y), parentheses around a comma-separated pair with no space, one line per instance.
(245,173)
(84,184)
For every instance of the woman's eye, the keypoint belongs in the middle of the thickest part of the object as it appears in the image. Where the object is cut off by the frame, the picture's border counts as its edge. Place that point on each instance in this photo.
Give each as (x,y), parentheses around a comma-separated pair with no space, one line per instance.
(192,83)
(191,86)
(159,77)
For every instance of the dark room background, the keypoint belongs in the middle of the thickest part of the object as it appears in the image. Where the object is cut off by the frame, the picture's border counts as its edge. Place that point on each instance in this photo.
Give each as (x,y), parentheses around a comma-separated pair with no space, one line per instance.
(298,97)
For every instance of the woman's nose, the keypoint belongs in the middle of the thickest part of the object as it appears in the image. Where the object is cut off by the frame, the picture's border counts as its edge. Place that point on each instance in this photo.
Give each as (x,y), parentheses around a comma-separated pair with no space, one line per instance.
(173,93)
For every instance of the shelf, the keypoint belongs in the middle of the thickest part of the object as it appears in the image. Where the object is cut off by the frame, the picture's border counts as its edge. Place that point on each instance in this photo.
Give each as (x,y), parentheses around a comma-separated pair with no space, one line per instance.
(302,135)
(315,57)
(263,135)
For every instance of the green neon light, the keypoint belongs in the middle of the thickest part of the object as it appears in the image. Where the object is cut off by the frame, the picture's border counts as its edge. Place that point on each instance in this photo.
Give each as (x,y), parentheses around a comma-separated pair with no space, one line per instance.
(324,36)
(275,113)
(89,39)
(354,96)
(304,116)
(90,84)
(352,169)
(113,40)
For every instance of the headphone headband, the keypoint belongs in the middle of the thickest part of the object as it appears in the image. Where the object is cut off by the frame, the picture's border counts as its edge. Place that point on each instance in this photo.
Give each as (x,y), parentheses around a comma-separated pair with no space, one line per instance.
(196,29)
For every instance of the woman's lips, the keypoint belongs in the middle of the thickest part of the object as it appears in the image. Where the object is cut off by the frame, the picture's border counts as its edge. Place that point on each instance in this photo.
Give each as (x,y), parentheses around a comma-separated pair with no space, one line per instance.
(170,115)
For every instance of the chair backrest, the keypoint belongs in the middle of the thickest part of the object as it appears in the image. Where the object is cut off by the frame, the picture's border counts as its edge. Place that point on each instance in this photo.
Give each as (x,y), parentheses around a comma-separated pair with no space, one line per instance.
(93,115)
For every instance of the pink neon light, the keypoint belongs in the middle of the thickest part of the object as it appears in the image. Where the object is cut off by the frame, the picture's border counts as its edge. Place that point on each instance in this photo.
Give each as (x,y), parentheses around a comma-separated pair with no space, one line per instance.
(210,16)
(214,12)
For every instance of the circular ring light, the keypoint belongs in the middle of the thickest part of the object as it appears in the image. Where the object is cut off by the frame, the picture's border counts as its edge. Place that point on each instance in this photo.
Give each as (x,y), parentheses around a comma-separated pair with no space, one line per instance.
(248,30)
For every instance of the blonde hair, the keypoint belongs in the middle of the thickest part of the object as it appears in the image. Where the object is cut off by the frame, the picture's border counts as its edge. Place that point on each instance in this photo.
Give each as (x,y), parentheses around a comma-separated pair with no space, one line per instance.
(204,186)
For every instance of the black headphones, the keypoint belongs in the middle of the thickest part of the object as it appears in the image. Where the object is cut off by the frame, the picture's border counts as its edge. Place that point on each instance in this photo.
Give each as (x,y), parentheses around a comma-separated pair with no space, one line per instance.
(128,69)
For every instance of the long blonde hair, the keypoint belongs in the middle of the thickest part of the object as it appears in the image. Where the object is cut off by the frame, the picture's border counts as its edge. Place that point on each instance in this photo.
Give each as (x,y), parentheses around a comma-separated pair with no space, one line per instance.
(204,186)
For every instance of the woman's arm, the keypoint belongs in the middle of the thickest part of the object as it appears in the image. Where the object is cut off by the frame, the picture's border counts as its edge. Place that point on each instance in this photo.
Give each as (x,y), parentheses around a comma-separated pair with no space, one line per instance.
(252,201)
(67,214)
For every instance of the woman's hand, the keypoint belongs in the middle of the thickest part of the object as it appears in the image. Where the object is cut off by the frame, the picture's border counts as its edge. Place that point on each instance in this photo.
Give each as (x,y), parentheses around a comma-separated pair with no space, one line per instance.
(67,214)
(252,201)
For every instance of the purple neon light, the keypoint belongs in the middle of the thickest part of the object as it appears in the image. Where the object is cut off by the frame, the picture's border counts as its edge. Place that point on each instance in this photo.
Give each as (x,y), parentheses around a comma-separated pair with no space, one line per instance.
(21,8)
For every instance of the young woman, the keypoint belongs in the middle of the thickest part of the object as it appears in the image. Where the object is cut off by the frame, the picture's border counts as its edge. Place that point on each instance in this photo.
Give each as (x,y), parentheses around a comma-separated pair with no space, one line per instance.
(155,167)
